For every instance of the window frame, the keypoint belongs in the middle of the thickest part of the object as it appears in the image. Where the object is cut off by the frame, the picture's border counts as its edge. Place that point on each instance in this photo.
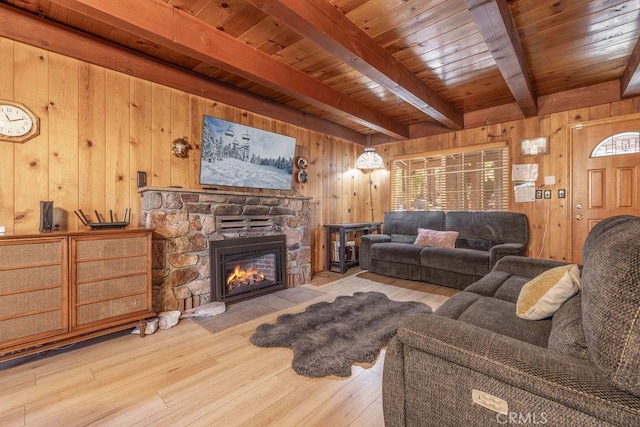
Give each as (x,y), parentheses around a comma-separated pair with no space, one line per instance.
(613,145)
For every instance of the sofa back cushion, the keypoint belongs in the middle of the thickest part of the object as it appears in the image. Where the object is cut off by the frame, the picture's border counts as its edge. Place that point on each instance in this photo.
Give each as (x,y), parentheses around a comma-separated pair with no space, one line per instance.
(497,227)
(477,244)
(567,333)
(403,226)
(611,300)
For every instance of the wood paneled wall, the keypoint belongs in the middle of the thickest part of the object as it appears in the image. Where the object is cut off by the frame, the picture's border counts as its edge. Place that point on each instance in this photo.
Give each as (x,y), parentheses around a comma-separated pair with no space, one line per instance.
(98,127)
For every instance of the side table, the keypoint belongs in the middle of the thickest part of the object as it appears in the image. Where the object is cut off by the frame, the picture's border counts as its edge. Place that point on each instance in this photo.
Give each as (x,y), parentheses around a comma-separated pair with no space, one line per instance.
(343,229)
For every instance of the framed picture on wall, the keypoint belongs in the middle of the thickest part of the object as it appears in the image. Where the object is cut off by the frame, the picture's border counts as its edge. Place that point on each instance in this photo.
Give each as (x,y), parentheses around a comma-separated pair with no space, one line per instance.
(534,146)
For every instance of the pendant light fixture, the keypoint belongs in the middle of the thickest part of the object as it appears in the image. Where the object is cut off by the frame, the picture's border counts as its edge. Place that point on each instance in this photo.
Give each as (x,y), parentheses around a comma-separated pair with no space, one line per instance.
(369,159)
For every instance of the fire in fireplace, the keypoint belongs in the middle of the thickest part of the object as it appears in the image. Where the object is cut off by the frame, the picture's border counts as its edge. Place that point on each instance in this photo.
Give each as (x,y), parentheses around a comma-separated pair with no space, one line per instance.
(247,267)
(241,277)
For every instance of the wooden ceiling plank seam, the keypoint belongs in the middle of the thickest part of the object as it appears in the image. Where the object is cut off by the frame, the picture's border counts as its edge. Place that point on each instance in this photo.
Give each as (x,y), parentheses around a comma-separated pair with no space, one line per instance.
(250,17)
(268,31)
(326,26)
(630,80)
(347,6)
(441,18)
(177,30)
(579,16)
(192,7)
(471,64)
(447,31)
(495,23)
(609,35)
(450,52)
(393,16)
(214,14)
(29,29)
(458,35)
(438,27)
(620,46)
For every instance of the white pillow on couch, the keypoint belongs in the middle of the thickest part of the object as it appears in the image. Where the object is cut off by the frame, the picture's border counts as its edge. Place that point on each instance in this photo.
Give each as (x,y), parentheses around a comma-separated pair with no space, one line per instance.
(541,296)
(441,239)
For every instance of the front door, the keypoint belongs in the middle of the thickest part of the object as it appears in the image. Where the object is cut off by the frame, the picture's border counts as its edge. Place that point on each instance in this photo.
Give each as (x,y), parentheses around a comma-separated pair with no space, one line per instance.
(605,178)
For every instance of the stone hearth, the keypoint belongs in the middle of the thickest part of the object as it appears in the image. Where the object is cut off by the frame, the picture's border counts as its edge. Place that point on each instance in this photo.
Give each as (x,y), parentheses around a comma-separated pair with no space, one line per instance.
(186,220)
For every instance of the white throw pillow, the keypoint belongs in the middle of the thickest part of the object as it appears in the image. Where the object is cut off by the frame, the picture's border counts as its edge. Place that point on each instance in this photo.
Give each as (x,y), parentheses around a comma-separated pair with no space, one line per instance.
(541,296)
(443,239)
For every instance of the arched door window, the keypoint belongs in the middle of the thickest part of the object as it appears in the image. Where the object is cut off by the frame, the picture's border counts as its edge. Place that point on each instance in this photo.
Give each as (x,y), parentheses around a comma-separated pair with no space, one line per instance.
(620,143)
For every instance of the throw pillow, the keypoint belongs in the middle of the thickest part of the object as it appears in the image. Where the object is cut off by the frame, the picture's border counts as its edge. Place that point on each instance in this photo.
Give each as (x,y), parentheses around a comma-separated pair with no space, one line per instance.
(442,239)
(540,297)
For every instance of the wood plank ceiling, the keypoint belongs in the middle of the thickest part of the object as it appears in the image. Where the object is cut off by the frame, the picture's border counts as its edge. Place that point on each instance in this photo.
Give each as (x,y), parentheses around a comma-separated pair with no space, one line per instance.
(399,68)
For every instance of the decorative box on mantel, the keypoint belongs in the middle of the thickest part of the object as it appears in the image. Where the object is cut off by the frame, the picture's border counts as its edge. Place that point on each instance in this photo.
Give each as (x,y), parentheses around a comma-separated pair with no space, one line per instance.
(186,220)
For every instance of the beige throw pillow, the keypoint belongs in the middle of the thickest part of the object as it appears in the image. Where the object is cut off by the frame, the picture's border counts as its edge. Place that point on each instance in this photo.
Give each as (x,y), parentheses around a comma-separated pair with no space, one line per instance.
(443,239)
(541,296)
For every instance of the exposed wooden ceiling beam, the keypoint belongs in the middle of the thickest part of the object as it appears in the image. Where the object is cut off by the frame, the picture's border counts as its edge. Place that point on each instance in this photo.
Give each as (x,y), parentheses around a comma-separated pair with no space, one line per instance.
(30,29)
(495,23)
(174,29)
(322,23)
(630,80)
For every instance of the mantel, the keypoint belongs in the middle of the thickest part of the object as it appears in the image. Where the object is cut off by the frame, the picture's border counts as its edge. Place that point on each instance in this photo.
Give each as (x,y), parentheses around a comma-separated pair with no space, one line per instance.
(252,193)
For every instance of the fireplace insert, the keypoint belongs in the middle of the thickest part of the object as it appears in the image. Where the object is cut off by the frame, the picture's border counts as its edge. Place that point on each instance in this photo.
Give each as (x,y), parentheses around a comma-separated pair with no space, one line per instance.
(244,268)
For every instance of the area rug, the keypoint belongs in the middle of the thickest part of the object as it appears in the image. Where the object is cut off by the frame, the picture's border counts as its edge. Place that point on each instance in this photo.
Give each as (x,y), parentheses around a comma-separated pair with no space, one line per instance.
(328,337)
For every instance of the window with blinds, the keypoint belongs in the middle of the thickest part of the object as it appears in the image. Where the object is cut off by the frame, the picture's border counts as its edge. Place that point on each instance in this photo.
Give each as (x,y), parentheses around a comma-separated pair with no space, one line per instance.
(475,180)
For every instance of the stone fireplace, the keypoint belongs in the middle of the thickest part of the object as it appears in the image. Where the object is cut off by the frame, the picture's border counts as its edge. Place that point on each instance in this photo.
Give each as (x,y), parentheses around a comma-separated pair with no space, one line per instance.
(187,224)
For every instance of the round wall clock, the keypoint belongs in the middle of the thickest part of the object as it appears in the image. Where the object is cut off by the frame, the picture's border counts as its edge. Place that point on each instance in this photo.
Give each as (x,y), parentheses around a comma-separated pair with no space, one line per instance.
(17,122)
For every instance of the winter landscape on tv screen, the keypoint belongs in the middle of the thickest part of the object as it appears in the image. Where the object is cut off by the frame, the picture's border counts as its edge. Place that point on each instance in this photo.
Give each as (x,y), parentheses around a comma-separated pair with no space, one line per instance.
(242,156)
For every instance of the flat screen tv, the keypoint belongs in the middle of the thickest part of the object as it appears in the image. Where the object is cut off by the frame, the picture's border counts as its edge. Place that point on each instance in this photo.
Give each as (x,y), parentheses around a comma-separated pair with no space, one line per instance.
(241,156)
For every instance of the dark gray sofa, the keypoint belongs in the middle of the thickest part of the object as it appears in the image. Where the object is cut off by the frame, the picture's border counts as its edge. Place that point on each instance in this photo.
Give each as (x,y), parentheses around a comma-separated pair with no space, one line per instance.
(484,238)
(580,367)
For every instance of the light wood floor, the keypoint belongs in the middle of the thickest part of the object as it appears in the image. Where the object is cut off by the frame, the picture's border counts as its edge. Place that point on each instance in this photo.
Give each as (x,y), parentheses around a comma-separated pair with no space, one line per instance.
(189,376)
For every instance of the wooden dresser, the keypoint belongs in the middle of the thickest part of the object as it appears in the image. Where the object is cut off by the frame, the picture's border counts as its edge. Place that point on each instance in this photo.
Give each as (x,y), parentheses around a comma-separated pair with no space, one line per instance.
(58,288)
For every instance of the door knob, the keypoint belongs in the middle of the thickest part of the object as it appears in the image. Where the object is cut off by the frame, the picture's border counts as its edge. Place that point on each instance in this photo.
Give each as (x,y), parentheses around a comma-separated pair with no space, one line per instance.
(579,206)
(579,217)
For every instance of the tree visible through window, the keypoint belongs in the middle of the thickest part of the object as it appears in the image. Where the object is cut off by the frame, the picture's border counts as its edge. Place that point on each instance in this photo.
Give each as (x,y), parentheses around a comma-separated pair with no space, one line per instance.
(453,180)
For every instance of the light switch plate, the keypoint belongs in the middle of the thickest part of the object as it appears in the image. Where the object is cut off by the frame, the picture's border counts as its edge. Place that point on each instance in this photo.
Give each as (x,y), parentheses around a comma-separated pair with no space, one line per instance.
(142,179)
